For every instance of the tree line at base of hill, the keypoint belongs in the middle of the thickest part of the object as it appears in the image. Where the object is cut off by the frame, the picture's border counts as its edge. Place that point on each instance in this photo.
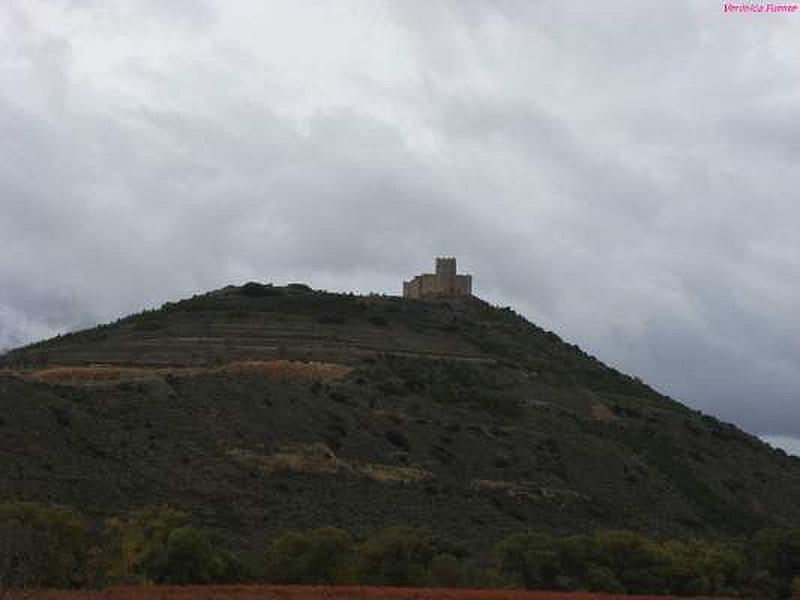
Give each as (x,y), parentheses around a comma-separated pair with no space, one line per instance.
(55,546)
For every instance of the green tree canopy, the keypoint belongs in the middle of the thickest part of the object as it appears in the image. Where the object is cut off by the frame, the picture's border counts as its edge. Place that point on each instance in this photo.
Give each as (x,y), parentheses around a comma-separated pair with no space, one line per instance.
(531,559)
(396,556)
(42,546)
(317,556)
(133,542)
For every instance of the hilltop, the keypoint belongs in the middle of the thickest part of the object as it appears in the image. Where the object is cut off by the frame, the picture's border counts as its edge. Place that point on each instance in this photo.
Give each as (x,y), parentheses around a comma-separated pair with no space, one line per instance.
(260,409)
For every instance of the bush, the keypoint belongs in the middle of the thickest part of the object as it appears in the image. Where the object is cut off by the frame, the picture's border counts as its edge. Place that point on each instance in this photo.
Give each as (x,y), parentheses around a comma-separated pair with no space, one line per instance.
(298,287)
(318,556)
(621,561)
(602,579)
(259,290)
(777,552)
(396,556)
(531,559)
(637,561)
(699,567)
(330,319)
(133,543)
(51,546)
(398,439)
(156,544)
(445,571)
(186,557)
(42,546)
(378,320)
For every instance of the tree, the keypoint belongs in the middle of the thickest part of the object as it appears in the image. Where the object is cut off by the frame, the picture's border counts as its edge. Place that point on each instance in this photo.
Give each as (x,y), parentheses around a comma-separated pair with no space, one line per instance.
(602,579)
(575,556)
(156,544)
(703,567)
(445,570)
(42,546)
(317,556)
(396,556)
(133,542)
(17,549)
(186,557)
(639,563)
(531,558)
(775,556)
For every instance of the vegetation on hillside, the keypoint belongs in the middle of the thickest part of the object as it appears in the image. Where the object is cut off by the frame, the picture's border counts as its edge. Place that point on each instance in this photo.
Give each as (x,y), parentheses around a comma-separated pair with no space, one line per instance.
(269,413)
(56,546)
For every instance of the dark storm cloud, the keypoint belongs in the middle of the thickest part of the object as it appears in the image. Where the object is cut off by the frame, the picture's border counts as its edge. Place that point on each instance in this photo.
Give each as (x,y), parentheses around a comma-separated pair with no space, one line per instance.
(623,173)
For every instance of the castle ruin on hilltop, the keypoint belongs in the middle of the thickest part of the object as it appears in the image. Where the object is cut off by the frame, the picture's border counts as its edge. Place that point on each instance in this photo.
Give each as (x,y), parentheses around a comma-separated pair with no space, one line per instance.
(445,282)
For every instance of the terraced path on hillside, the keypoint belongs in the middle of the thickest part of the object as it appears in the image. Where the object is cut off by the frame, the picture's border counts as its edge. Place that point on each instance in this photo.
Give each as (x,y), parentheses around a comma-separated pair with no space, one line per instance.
(267,337)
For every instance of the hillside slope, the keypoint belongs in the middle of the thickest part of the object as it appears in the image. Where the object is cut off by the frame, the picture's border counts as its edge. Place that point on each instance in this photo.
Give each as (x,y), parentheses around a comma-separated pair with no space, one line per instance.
(260,409)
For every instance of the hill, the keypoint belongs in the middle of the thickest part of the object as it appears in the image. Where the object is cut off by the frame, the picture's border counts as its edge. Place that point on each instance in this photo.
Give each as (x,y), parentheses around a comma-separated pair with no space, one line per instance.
(260,409)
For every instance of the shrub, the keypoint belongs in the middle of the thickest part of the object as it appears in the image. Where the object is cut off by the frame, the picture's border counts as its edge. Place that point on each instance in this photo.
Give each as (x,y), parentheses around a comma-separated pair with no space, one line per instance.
(625,561)
(530,559)
(186,557)
(298,287)
(42,546)
(330,319)
(259,290)
(638,562)
(445,570)
(156,544)
(602,579)
(133,542)
(777,551)
(398,439)
(378,320)
(396,556)
(318,556)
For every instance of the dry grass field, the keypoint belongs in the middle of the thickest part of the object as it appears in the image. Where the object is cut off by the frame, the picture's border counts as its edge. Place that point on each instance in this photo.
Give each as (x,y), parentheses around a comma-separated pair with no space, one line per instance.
(281,370)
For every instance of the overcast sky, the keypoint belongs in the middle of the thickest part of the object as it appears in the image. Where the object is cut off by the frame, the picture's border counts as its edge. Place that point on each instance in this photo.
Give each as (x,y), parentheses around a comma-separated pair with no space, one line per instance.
(622,172)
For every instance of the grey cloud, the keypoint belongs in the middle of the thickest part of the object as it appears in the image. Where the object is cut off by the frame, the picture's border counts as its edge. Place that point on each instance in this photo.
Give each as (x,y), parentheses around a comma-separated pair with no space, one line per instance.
(624,176)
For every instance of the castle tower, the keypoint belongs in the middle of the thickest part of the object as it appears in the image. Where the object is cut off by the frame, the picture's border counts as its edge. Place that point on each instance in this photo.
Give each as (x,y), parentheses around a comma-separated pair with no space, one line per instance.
(446,276)
(446,267)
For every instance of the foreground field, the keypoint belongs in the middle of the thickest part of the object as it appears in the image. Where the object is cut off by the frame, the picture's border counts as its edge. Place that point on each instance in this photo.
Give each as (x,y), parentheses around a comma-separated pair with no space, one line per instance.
(297,592)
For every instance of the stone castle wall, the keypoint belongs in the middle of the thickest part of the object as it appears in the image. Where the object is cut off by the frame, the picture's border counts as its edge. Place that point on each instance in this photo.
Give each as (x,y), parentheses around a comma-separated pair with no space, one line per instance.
(445,282)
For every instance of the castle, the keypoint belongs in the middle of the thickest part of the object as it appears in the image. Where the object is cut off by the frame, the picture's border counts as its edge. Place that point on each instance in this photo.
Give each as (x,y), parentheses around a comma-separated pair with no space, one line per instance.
(445,282)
